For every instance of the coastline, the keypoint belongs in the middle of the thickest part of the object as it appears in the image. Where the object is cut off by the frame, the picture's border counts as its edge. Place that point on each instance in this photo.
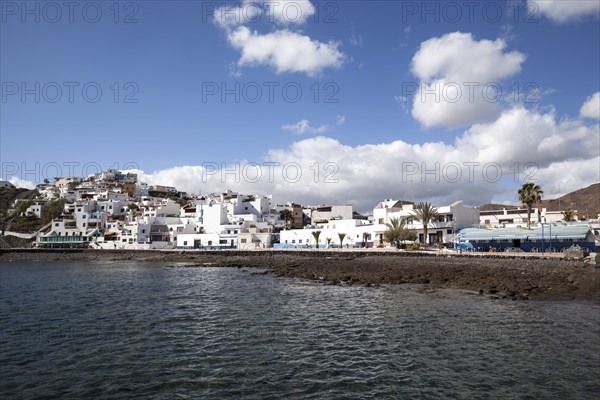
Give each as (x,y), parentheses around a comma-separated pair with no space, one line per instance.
(496,276)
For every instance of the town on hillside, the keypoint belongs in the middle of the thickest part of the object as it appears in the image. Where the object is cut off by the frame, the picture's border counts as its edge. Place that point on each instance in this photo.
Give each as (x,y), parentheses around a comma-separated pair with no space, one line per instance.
(112,210)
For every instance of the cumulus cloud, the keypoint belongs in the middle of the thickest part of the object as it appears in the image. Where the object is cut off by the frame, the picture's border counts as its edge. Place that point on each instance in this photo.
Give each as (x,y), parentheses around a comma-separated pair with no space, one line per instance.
(476,167)
(563,11)
(567,176)
(591,107)
(282,49)
(21,183)
(303,126)
(285,51)
(460,79)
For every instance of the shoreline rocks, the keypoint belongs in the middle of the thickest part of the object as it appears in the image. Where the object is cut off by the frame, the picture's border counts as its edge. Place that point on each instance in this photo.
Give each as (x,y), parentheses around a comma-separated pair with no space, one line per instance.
(502,277)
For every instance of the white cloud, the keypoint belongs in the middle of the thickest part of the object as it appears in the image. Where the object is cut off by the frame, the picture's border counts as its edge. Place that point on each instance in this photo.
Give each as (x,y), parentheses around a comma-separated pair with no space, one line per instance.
(287,11)
(459,79)
(356,40)
(564,150)
(340,120)
(282,49)
(567,176)
(563,11)
(591,107)
(286,51)
(303,126)
(21,183)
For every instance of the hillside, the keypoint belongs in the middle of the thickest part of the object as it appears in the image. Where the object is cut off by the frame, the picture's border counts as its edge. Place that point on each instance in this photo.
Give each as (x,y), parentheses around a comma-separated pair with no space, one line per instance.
(8,196)
(580,200)
(586,200)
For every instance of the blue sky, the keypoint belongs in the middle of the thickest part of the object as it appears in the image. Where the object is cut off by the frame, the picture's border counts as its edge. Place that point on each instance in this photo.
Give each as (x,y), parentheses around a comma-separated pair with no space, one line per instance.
(168,58)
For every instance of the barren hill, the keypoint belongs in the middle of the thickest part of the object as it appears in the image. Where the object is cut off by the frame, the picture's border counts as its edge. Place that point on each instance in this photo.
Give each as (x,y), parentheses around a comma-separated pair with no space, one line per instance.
(585,201)
(8,196)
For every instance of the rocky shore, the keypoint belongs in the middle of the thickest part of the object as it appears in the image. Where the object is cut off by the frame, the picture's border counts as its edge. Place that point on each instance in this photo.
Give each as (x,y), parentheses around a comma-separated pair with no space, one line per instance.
(496,277)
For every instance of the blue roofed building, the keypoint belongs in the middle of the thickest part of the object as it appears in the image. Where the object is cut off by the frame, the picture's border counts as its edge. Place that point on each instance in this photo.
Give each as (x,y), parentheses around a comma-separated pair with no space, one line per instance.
(549,237)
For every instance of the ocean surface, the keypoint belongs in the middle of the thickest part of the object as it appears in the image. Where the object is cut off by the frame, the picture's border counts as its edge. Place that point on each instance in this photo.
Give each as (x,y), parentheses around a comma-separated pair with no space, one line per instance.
(147,330)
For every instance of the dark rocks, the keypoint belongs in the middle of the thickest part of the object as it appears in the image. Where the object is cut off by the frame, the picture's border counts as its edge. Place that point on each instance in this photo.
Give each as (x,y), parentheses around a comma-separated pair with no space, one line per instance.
(520,278)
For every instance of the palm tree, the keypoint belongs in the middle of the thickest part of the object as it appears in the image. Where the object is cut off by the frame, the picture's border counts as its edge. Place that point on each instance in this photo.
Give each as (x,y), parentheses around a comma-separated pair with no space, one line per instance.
(530,194)
(397,232)
(342,236)
(365,237)
(316,235)
(568,215)
(328,242)
(426,213)
(287,216)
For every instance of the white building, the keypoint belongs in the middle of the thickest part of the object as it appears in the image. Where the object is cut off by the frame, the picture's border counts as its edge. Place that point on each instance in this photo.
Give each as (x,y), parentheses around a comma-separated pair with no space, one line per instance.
(515,217)
(362,233)
(450,220)
(36,208)
(326,213)
(357,232)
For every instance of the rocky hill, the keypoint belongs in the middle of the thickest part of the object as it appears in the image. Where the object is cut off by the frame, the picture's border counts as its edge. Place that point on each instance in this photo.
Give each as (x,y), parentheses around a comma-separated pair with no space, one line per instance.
(585,201)
(8,196)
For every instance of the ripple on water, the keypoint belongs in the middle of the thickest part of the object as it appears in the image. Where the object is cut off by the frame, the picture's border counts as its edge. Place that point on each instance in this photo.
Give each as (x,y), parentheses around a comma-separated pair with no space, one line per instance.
(141,330)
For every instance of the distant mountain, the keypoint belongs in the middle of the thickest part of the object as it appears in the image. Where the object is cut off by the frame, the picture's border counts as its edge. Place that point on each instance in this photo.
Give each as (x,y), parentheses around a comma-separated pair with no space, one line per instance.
(494,206)
(585,201)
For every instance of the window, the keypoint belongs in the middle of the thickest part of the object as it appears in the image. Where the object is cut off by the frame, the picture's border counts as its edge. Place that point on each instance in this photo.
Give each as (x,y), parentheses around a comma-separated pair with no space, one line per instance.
(293,240)
(56,224)
(300,241)
(84,216)
(185,242)
(84,224)
(285,241)
(124,240)
(143,231)
(243,240)
(381,221)
(449,231)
